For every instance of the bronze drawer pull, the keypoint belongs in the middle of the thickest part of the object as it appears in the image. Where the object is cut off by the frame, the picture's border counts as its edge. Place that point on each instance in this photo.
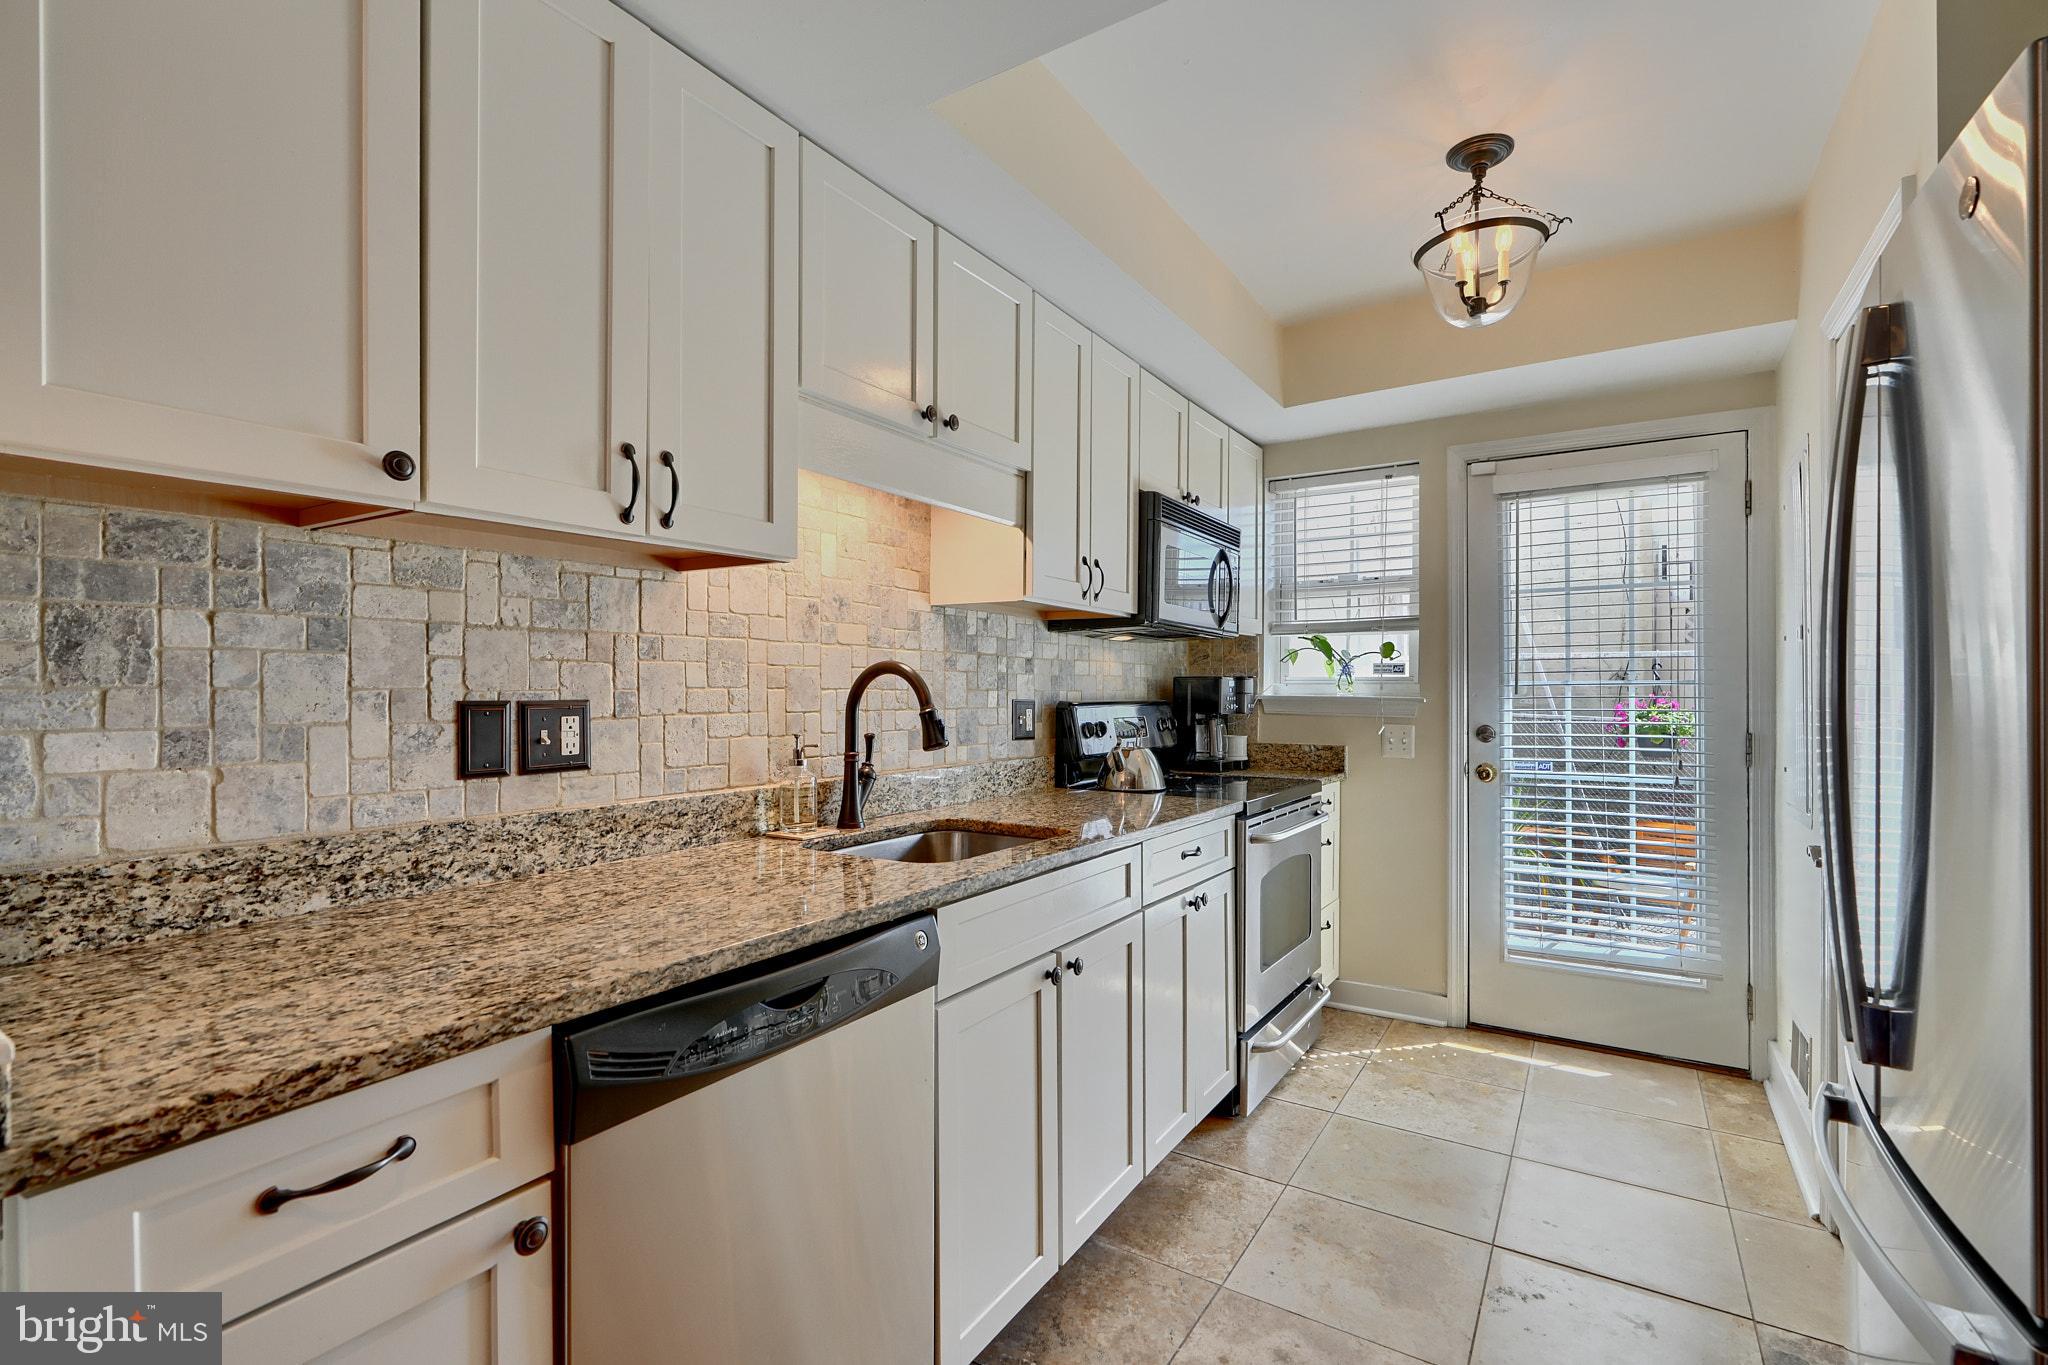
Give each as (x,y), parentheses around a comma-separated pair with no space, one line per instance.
(273,1199)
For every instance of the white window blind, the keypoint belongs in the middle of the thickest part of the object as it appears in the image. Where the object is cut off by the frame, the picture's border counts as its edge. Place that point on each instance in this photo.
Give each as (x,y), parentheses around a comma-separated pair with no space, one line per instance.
(1605,836)
(1344,549)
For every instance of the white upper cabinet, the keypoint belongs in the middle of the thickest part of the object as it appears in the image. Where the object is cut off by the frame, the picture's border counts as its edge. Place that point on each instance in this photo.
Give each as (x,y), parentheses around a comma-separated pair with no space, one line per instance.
(1244,495)
(1162,439)
(537,261)
(984,355)
(722,324)
(1063,371)
(1112,496)
(868,273)
(249,315)
(1208,444)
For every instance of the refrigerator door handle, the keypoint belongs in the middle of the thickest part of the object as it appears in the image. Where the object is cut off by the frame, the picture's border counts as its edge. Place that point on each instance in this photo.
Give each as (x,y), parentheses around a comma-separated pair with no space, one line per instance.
(1947,1333)
(1881,1025)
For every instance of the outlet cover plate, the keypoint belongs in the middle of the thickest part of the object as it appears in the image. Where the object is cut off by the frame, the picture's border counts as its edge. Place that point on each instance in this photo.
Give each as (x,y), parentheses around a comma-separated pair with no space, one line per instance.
(554,736)
(1023,718)
(483,738)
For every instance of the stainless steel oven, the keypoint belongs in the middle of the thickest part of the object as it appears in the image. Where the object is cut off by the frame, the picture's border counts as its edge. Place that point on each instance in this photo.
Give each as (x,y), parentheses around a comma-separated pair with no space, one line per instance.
(1280,1001)
(1189,584)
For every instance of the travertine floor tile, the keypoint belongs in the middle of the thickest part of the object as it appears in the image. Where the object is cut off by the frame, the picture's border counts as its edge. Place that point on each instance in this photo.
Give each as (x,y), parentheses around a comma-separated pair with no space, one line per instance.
(1797,1276)
(1320,1079)
(1472,1054)
(1270,1141)
(1192,1215)
(1349,1032)
(1624,1232)
(1536,1313)
(1654,1089)
(1105,1307)
(1404,1096)
(1402,1285)
(1238,1330)
(1781,1347)
(1737,1105)
(1444,1184)
(1674,1157)
(1758,1178)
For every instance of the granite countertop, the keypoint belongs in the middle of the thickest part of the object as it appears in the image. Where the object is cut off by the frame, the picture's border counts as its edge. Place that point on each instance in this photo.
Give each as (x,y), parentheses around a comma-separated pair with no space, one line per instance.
(124,1052)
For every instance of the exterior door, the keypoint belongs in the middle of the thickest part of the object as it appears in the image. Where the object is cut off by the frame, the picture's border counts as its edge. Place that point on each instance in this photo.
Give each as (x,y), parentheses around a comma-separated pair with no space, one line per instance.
(209,240)
(1062,375)
(722,321)
(867,297)
(537,261)
(1112,497)
(1102,1077)
(1606,780)
(999,1152)
(984,355)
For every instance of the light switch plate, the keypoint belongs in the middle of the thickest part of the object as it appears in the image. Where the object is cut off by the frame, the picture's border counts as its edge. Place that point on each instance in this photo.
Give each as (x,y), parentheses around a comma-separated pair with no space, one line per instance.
(1023,718)
(554,736)
(1397,741)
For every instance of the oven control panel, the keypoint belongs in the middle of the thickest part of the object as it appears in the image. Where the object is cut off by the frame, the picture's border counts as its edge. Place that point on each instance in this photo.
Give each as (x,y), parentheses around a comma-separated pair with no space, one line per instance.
(1085,732)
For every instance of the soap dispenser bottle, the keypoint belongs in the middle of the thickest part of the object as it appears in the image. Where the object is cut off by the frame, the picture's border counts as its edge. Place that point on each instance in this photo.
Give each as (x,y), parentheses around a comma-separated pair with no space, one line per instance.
(800,796)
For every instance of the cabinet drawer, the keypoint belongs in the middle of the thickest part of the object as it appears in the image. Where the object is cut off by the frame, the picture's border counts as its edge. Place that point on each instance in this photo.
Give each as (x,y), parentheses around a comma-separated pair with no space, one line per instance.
(462,1292)
(986,935)
(1189,856)
(189,1220)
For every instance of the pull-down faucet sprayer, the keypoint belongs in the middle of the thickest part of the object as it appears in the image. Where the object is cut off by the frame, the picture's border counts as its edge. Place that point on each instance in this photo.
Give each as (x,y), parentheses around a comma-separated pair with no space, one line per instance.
(859,776)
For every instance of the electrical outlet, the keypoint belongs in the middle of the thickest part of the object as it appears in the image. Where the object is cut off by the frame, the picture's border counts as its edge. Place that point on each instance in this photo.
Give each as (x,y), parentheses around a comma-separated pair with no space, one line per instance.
(1397,741)
(554,736)
(1023,718)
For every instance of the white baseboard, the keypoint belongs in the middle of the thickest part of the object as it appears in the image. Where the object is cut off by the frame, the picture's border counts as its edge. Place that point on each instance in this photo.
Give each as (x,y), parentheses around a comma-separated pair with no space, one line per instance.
(1417,1007)
(1792,1108)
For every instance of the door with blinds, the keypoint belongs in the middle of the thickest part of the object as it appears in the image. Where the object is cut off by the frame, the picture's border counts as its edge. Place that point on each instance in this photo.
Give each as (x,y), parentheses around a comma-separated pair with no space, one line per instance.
(1607,748)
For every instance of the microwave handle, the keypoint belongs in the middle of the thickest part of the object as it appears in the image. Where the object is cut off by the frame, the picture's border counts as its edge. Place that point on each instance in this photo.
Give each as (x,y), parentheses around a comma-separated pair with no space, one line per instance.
(1221,564)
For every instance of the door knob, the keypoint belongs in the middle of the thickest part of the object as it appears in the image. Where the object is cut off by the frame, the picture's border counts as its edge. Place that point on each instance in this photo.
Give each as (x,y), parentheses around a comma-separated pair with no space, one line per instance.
(1485,772)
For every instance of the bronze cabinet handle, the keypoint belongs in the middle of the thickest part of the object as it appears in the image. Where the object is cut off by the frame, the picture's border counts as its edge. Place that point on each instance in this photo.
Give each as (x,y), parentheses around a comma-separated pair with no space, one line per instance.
(1188,853)
(952,422)
(675,488)
(530,1236)
(633,497)
(399,465)
(929,412)
(1074,965)
(273,1199)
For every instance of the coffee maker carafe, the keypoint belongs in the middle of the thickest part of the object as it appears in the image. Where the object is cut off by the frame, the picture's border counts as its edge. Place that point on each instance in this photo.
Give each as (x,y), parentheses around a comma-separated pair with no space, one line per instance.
(1202,707)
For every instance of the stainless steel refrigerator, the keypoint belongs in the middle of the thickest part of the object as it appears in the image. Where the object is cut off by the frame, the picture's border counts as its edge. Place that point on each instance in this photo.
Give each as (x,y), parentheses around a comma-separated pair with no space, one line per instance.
(1932,689)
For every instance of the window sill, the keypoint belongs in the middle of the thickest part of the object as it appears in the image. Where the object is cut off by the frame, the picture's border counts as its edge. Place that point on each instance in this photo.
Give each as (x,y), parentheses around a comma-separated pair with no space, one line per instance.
(1403,706)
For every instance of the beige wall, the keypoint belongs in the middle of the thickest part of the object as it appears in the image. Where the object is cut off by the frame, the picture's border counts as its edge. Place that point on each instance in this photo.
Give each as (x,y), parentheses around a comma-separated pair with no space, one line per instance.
(1884,130)
(1396,859)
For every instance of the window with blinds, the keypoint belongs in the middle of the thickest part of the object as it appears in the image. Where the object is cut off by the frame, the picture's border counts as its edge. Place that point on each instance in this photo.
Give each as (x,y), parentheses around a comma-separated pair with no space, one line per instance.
(1343,550)
(1605,834)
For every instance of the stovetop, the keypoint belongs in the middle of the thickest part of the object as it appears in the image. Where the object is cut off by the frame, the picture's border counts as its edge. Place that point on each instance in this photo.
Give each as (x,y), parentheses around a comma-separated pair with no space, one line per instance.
(1259,794)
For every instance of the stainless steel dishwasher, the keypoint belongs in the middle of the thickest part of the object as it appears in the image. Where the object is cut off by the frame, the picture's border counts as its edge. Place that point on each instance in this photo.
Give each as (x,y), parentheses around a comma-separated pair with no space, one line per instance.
(748,1169)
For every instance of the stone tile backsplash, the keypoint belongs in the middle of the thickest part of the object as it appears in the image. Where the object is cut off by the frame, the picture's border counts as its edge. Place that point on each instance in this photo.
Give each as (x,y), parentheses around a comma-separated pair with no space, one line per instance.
(172,682)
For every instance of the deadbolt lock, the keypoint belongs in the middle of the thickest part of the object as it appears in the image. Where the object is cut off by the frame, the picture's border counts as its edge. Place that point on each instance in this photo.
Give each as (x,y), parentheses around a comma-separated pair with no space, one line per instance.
(1485,772)
(1484,734)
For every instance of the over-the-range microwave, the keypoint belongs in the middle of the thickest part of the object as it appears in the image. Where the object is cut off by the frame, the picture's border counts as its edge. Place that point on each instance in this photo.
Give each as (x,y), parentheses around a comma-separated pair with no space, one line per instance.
(1189,578)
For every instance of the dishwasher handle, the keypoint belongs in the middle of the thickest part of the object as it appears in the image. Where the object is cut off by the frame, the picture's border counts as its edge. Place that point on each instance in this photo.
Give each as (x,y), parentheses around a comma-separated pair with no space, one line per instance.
(616,1065)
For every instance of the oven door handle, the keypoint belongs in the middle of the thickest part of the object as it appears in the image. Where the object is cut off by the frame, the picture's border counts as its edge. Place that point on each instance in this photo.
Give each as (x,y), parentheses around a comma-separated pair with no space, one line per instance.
(1279,836)
(1322,998)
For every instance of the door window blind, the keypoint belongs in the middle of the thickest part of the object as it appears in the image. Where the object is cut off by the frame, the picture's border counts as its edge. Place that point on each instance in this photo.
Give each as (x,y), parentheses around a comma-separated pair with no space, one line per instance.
(1344,551)
(1605,836)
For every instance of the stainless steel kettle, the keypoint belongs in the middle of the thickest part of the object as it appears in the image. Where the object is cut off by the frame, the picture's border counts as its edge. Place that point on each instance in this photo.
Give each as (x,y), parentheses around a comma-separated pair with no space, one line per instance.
(1133,770)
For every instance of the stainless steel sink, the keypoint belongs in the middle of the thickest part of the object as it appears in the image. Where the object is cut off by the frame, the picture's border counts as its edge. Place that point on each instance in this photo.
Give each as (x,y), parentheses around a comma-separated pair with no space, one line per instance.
(937,845)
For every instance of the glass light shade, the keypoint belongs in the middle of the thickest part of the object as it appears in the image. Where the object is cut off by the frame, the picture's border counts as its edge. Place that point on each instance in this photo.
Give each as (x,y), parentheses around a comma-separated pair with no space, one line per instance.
(1479,270)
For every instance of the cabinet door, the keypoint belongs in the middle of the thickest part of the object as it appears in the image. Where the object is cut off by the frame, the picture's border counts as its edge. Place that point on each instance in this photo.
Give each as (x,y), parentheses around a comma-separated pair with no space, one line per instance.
(461,1293)
(722,324)
(999,1235)
(867,297)
(1162,438)
(1169,1105)
(1102,1061)
(209,239)
(1244,492)
(984,356)
(1112,496)
(1208,444)
(537,261)
(1212,1017)
(1062,374)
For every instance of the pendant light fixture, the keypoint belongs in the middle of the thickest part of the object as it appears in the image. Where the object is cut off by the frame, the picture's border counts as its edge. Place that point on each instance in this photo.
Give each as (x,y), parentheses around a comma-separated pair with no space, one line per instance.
(1478,265)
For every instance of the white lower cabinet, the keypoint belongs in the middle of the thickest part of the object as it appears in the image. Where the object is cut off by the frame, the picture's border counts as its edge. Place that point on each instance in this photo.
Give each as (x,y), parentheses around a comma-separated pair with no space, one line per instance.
(999,1235)
(1102,1076)
(463,1294)
(1189,1033)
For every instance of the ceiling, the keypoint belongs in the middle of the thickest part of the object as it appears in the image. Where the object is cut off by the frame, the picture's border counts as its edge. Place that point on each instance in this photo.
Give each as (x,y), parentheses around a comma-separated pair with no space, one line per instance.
(1303,140)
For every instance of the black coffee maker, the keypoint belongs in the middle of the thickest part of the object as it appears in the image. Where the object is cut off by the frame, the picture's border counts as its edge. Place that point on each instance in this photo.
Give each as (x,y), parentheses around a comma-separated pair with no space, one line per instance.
(1202,707)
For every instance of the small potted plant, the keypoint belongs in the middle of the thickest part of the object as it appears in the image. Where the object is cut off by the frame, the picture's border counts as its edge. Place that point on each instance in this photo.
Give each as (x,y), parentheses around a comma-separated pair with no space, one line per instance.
(1341,664)
(1652,722)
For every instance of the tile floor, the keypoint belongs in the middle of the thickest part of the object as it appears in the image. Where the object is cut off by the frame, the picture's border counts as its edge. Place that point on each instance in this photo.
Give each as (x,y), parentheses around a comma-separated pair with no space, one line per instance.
(1414,1193)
